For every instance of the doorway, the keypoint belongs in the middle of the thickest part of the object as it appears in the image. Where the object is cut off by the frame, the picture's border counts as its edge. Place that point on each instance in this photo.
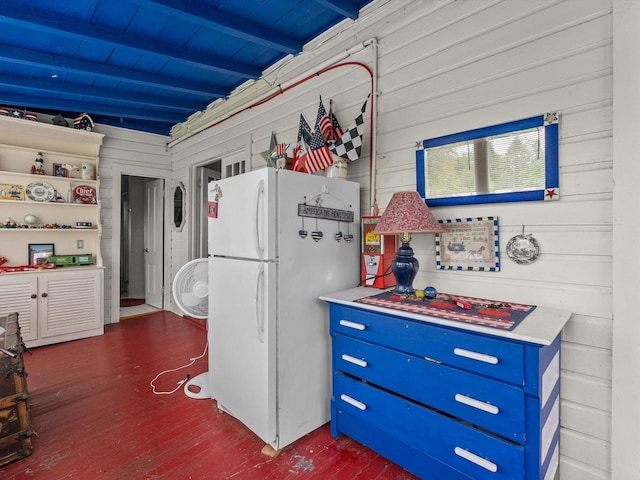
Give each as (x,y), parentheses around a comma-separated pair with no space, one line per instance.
(204,174)
(141,245)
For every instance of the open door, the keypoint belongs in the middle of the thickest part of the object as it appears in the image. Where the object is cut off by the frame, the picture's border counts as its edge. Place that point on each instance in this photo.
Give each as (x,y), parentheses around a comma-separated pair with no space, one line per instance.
(206,174)
(153,242)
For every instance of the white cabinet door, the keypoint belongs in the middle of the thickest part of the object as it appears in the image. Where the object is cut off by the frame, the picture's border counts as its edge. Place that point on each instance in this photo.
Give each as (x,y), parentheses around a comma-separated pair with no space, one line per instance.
(19,293)
(70,303)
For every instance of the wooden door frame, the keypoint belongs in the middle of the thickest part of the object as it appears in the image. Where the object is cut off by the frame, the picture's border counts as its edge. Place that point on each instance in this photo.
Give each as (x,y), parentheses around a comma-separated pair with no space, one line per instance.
(118,171)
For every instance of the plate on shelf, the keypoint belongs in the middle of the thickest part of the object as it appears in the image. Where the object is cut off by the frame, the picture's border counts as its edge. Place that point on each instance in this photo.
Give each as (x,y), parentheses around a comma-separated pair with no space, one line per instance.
(40,192)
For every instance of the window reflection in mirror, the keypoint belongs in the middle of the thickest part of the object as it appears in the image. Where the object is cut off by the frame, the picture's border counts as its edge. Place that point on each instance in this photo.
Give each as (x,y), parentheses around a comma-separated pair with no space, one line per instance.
(510,162)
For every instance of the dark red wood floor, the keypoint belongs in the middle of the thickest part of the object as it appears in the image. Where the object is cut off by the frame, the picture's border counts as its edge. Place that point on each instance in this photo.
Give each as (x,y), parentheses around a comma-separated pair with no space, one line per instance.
(96,417)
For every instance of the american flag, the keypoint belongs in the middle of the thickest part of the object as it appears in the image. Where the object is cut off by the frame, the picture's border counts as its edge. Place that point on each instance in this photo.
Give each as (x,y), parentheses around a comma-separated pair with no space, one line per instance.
(281,150)
(349,145)
(336,130)
(300,150)
(318,156)
(324,121)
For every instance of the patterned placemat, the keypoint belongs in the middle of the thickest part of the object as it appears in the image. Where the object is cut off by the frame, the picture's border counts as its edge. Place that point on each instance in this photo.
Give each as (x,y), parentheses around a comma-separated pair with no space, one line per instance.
(479,311)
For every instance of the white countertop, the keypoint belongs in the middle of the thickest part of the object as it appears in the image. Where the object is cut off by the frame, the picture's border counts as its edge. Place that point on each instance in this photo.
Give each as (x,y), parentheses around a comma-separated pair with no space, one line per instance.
(541,326)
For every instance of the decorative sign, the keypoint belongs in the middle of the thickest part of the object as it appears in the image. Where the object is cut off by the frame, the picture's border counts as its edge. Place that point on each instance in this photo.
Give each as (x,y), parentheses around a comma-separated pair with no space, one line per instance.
(212,211)
(468,244)
(84,194)
(11,192)
(316,211)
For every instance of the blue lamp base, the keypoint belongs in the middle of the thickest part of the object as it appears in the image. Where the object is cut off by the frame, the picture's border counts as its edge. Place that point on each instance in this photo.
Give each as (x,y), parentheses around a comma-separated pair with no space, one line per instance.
(405,268)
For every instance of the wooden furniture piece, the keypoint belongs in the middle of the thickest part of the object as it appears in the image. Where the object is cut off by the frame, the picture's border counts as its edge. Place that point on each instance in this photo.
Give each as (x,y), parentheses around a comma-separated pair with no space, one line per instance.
(64,303)
(15,428)
(58,305)
(447,400)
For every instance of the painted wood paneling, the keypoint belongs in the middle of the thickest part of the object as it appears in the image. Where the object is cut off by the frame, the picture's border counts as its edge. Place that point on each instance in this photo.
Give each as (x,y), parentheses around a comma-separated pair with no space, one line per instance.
(449,66)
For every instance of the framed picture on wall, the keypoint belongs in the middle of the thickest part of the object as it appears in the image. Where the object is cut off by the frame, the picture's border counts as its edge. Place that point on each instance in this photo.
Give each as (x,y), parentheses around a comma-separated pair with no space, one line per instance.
(468,244)
(59,170)
(39,253)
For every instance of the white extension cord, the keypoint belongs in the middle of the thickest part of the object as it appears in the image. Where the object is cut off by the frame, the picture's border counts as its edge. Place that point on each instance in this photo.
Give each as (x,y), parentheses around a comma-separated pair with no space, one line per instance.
(181,382)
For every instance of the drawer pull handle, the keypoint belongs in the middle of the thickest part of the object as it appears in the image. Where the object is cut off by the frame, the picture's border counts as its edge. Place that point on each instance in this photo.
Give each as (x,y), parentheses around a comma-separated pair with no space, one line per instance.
(354,325)
(354,360)
(472,402)
(481,357)
(472,457)
(353,401)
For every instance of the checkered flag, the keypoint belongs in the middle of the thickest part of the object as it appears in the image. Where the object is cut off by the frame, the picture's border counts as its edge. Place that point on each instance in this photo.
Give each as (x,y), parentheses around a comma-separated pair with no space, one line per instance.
(349,145)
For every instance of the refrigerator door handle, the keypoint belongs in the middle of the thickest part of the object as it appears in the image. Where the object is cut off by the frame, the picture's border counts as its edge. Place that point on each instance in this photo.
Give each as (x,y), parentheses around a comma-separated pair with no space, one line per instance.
(259,303)
(257,230)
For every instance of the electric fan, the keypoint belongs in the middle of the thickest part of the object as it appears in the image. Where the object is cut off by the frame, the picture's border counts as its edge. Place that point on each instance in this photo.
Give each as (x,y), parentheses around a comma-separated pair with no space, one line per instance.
(191,288)
(191,294)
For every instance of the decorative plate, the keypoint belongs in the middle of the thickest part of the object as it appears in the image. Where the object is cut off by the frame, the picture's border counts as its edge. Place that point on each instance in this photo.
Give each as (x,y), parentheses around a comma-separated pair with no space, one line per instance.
(523,249)
(40,192)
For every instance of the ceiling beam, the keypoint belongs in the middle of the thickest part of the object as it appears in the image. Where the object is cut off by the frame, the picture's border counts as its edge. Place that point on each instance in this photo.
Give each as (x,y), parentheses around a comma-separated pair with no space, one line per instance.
(138,98)
(34,20)
(342,7)
(214,19)
(92,108)
(58,64)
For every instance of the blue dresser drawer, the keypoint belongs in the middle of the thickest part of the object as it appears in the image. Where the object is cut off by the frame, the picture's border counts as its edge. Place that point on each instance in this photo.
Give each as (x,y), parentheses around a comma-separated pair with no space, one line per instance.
(463,448)
(499,359)
(487,403)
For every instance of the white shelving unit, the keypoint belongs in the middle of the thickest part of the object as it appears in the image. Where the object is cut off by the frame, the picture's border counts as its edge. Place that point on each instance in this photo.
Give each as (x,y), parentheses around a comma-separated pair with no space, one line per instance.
(35,294)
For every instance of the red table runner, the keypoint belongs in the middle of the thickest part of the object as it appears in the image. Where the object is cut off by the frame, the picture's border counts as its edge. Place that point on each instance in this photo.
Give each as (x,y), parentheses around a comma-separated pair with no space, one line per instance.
(488,313)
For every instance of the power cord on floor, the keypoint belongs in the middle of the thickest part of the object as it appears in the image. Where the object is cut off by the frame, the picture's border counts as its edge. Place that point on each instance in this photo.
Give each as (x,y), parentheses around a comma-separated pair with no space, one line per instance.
(181,382)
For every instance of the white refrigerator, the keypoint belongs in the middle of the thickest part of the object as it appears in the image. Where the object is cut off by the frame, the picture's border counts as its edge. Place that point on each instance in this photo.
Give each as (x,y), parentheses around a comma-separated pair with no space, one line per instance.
(269,343)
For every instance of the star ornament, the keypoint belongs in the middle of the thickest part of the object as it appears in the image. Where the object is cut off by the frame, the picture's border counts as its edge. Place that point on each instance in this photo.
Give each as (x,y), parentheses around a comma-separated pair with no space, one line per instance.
(551,194)
(276,156)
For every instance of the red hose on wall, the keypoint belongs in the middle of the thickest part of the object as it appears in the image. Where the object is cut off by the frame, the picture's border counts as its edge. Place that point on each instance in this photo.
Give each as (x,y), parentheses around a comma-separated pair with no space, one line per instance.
(305,79)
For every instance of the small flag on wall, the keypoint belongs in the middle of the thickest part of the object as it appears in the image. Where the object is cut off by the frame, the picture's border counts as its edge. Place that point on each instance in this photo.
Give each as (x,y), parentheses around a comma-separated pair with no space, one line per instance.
(301,148)
(318,156)
(324,121)
(349,145)
(336,130)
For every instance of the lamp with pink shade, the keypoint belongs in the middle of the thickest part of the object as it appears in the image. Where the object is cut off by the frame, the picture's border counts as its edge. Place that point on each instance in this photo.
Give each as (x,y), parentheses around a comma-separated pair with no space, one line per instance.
(405,214)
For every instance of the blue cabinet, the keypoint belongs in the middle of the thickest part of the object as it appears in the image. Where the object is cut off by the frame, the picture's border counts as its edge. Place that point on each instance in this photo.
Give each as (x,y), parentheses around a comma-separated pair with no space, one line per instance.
(447,401)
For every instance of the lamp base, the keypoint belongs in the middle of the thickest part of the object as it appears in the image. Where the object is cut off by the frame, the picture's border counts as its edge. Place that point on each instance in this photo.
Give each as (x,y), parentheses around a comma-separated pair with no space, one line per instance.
(405,268)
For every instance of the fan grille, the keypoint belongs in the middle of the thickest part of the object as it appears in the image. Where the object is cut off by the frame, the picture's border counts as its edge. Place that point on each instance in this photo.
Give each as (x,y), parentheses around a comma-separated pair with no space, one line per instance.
(191,288)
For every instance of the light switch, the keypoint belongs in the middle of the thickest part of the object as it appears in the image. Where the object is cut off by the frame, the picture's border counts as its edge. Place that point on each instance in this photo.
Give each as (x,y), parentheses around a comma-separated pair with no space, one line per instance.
(80,243)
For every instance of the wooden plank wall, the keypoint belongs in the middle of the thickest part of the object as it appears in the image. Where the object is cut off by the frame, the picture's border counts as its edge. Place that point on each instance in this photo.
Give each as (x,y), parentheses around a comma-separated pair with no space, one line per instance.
(448,66)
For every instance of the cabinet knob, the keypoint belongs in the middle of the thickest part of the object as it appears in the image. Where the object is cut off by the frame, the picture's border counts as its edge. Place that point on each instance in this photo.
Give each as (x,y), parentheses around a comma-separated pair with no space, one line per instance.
(45,294)
(33,295)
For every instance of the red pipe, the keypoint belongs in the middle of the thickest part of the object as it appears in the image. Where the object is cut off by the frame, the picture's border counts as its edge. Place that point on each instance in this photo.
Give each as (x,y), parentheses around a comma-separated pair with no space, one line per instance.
(303,80)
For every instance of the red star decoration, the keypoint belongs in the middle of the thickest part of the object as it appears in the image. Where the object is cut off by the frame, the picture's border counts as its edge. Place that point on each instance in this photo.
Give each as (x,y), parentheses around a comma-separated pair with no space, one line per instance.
(550,193)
